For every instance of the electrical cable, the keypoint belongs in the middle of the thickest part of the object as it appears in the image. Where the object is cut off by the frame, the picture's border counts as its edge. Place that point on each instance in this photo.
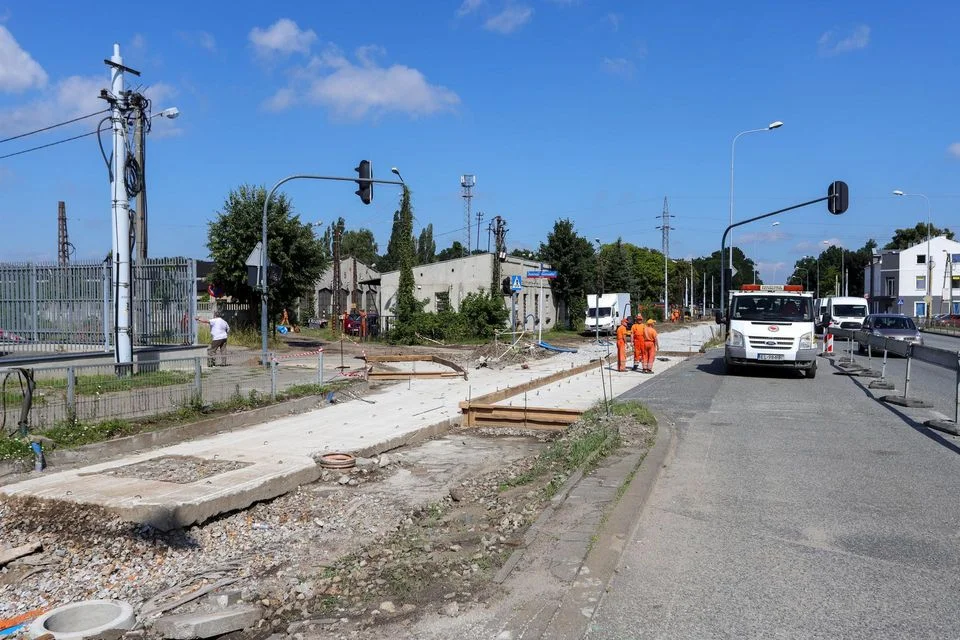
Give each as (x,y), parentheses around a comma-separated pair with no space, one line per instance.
(103,153)
(53,126)
(51,144)
(132,176)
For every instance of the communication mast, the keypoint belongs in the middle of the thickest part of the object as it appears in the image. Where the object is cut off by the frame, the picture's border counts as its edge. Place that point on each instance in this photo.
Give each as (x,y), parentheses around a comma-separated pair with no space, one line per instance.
(467,182)
(63,242)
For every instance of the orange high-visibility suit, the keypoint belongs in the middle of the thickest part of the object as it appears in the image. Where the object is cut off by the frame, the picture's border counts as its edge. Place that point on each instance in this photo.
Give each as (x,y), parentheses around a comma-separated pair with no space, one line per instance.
(651,342)
(636,332)
(622,346)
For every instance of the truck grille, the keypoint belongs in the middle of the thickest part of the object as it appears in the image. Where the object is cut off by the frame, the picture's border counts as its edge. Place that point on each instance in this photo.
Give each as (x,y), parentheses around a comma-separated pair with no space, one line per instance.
(767,342)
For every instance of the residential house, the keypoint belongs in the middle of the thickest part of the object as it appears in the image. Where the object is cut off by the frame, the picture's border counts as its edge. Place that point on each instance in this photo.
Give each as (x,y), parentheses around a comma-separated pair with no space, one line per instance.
(897,281)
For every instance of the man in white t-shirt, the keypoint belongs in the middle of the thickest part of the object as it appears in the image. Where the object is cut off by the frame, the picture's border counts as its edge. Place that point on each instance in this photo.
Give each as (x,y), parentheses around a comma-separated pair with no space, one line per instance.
(219,329)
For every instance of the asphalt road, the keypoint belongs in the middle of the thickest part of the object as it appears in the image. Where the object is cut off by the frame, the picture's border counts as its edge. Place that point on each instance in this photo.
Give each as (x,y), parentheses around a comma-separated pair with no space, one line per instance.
(790,508)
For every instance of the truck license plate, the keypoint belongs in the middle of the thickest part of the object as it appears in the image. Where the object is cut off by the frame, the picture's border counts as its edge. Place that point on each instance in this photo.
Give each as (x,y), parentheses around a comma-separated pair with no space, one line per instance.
(769,356)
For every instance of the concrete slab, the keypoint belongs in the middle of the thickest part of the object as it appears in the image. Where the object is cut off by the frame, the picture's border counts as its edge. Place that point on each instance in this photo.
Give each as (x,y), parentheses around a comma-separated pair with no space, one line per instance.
(911,403)
(279,453)
(207,624)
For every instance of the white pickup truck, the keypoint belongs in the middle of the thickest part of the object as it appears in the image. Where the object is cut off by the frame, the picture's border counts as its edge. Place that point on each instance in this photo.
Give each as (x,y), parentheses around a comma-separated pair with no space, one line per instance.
(771,326)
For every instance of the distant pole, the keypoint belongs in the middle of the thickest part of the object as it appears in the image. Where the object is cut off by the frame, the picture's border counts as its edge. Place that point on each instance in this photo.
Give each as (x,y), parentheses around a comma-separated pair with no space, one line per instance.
(665,246)
(140,223)
(479,218)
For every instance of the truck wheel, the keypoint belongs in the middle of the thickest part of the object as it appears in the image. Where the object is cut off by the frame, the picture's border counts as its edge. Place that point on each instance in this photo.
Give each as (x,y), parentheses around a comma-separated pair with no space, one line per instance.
(812,372)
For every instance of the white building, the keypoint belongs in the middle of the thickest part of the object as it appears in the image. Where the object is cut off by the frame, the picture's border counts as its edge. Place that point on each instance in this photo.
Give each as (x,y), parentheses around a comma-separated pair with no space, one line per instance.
(443,285)
(899,281)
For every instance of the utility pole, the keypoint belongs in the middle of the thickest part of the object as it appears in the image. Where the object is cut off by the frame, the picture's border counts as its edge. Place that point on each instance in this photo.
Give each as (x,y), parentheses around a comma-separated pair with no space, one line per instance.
(499,234)
(120,199)
(138,102)
(63,242)
(467,182)
(665,247)
(479,218)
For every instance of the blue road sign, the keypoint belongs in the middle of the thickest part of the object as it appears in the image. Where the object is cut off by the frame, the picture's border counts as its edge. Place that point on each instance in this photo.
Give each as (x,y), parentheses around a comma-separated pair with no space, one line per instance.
(900,302)
(516,283)
(542,273)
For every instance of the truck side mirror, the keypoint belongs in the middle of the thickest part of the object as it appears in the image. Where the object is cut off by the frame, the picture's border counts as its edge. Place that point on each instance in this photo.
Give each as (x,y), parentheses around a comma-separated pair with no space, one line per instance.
(718,316)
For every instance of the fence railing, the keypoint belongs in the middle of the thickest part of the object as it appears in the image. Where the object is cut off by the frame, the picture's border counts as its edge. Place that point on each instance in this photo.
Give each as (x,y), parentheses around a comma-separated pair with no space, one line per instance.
(944,358)
(87,394)
(53,307)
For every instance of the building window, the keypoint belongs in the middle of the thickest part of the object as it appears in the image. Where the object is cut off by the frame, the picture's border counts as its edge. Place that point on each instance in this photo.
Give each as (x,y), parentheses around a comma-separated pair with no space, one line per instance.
(443,301)
(955,282)
(921,258)
(891,291)
(921,283)
(920,309)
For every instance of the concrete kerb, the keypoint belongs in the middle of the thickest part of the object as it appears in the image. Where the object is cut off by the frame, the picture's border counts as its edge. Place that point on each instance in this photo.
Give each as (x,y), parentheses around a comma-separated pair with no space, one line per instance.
(603,559)
(947,426)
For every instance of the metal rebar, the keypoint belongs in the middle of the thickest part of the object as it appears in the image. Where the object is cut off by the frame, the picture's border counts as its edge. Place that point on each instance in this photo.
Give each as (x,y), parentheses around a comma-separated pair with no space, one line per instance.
(273,379)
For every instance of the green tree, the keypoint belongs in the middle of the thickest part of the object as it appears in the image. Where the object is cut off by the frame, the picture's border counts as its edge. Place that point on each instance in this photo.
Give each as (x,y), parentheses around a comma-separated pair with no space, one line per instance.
(426,246)
(452,252)
(407,304)
(390,261)
(906,238)
(525,254)
(483,313)
(291,245)
(618,268)
(359,244)
(572,256)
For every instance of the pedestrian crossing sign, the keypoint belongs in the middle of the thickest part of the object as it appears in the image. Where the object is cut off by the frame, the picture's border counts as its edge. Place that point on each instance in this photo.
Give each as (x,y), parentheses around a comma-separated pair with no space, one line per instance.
(516,283)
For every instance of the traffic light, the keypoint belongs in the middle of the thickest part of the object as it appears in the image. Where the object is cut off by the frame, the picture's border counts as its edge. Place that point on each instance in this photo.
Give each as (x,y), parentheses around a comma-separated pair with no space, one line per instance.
(365,172)
(838,197)
(505,287)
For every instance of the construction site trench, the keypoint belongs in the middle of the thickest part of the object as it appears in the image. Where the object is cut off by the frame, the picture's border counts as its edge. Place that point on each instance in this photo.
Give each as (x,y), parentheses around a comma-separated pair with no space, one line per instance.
(417,531)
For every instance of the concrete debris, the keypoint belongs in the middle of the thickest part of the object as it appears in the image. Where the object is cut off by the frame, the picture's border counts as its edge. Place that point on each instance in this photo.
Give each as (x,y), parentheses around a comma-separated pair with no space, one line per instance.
(451,609)
(388,607)
(384,460)
(9,555)
(207,624)
(224,599)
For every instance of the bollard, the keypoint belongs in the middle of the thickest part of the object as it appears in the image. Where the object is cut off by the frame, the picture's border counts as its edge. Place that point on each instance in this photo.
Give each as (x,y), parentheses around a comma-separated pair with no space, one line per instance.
(273,379)
(883,367)
(198,379)
(906,381)
(72,394)
(320,368)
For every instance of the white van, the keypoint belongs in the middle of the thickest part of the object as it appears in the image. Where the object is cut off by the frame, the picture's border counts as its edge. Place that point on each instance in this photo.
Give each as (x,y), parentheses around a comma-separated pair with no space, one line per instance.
(845,312)
(770,326)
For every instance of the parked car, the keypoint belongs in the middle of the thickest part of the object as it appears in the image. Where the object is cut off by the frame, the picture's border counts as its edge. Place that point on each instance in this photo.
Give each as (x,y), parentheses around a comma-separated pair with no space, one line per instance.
(948,320)
(890,325)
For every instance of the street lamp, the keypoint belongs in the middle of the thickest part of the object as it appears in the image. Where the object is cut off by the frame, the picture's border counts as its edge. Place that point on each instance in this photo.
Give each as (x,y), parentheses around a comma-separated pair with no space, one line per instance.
(928,302)
(733,146)
(806,275)
(596,307)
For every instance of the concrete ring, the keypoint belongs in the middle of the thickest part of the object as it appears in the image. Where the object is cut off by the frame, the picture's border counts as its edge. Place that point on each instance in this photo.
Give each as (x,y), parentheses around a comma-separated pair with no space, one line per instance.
(84,619)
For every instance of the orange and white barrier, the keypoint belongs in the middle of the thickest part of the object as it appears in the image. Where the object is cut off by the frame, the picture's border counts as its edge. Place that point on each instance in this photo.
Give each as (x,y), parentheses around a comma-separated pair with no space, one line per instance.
(828,342)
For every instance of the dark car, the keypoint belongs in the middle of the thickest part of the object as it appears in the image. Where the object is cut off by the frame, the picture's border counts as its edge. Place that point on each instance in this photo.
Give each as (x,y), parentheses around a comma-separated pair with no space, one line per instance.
(890,325)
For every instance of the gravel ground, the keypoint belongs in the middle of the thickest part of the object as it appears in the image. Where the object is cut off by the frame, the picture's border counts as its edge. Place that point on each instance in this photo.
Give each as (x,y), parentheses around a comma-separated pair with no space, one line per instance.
(178,469)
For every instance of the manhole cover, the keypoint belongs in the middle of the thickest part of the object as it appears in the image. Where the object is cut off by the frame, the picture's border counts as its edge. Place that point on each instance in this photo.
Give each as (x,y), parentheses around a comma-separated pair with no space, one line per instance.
(177,469)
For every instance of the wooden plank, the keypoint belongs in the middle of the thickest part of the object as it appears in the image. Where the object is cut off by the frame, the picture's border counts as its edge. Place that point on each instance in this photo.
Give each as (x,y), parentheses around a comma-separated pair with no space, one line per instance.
(401,358)
(503,394)
(540,418)
(404,375)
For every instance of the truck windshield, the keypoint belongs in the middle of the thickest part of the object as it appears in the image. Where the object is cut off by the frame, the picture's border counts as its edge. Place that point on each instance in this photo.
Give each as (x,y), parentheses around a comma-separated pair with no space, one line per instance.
(849,311)
(604,312)
(773,308)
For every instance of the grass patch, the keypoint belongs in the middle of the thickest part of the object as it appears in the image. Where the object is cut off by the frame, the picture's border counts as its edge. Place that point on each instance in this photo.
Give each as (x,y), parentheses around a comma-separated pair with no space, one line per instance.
(13,449)
(716,341)
(75,434)
(240,337)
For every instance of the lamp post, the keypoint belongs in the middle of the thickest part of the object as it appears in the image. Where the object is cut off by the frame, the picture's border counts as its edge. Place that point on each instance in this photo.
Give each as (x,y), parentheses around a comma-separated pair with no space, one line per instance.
(596,308)
(733,147)
(263,237)
(928,301)
(806,277)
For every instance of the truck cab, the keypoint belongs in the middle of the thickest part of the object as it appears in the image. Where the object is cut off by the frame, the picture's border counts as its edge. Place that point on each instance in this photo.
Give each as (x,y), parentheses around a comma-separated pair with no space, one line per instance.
(771,326)
(605,312)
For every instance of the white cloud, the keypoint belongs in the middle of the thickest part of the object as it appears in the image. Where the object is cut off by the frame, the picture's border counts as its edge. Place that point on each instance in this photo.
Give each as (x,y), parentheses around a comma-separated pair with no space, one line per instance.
(510,19)
(468,6)
(619,67)
(954,149)
(69,98)
(202,39)
(830,45)
(762,236)
(18,70)
(357,89)
(614,20)
(282,37)
(138,42)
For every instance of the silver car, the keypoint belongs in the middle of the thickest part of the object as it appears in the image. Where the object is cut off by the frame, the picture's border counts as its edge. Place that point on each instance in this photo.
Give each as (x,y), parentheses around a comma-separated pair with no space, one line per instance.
(891,325)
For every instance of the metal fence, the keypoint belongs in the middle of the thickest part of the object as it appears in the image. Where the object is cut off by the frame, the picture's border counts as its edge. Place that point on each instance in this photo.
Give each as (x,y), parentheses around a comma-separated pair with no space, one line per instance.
(89,394)
(53,307)
(880,346)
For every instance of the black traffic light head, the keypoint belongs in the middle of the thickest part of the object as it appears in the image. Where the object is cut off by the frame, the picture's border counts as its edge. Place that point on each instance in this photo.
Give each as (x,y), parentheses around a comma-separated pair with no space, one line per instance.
(505,287)
(365,173)
(838,197)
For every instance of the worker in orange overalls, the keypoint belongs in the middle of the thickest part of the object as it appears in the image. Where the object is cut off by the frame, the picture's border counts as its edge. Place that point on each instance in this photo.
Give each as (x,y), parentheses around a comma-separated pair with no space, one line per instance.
(636,332)
(622,346)
(651,342)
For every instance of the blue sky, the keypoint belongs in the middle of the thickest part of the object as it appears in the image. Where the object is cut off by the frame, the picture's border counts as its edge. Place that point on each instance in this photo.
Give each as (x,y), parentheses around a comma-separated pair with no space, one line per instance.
(586,109)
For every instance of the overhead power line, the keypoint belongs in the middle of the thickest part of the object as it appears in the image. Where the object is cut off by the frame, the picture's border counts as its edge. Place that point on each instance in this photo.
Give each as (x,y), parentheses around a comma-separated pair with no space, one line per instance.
(52,126)
(51,144)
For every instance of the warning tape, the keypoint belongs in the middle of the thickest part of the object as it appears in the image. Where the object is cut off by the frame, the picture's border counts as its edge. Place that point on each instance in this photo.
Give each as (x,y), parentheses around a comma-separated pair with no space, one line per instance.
(302,354)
